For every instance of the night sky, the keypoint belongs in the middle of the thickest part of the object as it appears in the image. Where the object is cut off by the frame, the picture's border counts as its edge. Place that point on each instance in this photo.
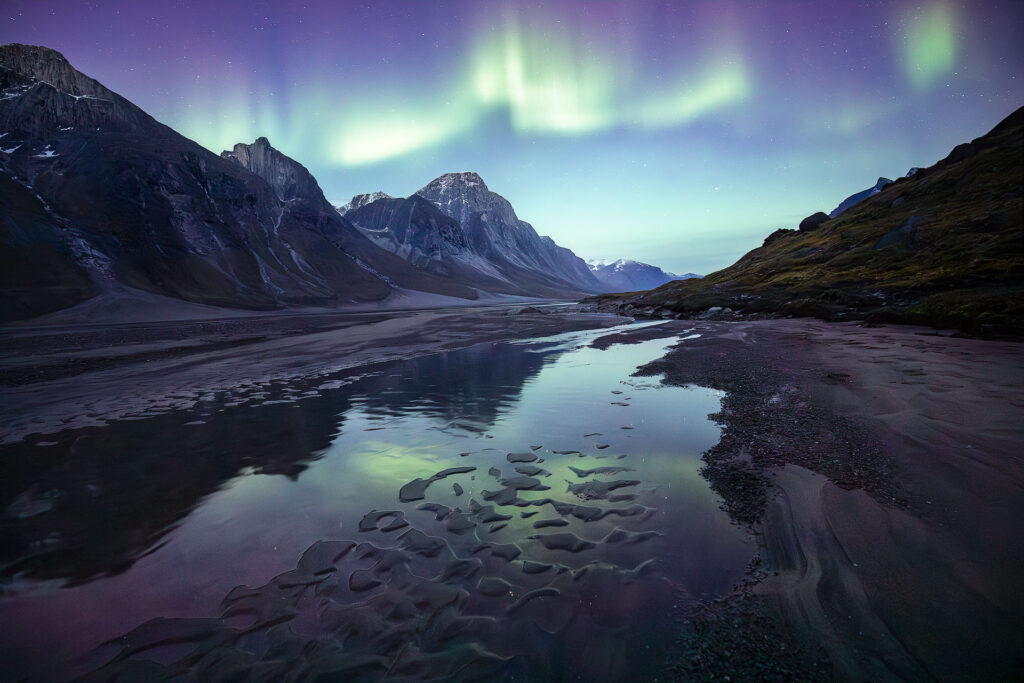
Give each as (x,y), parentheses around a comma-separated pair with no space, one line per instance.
(674,133)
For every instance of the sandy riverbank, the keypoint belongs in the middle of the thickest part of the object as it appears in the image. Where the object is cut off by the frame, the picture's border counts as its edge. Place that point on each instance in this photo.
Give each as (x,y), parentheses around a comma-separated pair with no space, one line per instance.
(54,378)
(883,469)
(880,468)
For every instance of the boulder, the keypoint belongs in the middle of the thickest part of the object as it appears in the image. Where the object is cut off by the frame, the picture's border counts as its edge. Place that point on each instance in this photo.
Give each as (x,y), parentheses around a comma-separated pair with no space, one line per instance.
(813,222)
(907,231)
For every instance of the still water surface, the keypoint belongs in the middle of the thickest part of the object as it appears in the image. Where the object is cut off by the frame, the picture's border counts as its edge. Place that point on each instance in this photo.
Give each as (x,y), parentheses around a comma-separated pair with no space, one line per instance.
(521,562)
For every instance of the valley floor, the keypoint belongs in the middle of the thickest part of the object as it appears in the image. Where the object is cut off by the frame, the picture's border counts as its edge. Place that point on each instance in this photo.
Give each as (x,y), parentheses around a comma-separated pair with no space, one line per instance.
(66,377)
(880,469)
(883,472)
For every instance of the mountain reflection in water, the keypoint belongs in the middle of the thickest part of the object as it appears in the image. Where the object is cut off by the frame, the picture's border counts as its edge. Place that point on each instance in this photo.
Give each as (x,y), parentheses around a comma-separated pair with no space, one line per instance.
(533,566)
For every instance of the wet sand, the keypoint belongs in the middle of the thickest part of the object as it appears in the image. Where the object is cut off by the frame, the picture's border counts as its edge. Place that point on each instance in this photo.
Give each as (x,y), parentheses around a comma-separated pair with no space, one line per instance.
(54,378)
(880,469)
(484,511)
(883,469)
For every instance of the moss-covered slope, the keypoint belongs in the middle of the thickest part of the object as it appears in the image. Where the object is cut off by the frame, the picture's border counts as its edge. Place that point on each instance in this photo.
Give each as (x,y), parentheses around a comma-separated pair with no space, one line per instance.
(942,247)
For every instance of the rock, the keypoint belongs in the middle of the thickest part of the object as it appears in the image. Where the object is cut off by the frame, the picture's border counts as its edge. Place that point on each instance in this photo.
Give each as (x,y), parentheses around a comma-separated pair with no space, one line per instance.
(813,222)
(907,231)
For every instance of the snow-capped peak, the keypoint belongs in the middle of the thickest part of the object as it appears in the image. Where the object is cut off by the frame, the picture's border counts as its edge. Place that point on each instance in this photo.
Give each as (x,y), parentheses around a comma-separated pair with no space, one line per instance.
(451,181)
(596,264)
(361,200)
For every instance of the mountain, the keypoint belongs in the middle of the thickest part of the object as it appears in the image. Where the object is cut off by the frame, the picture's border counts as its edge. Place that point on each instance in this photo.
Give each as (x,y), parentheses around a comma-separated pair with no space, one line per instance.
(496,233)
(457,227)
(422,234)
(859,197)
(296,187)
(942,246)
(624,275)
(361,200)
(99,198)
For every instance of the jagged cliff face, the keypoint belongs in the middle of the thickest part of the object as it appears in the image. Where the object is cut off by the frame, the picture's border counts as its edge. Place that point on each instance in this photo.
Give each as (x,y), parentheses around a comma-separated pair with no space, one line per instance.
(496,233)
(570,265)
(414,229)
(97,195)
(460,195)
(289,178)
(457,227)
(42,94)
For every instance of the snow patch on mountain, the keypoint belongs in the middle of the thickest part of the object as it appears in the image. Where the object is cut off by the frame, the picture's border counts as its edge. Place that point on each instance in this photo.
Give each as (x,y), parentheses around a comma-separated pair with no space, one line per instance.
(361,200)
(626,275)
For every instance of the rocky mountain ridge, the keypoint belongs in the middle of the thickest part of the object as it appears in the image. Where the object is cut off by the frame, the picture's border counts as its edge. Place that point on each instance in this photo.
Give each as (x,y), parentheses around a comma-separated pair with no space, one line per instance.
(942,246)
(361,200)
(858,197)
(478,239)
(497,234)
(99,198)
(625,275)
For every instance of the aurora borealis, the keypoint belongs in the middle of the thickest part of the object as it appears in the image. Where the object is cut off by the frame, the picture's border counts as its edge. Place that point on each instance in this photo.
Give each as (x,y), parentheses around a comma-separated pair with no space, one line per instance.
(678,133)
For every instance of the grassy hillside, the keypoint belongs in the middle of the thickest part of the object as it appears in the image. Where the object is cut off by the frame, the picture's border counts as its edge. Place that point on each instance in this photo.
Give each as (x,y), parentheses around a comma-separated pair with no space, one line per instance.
(942,247)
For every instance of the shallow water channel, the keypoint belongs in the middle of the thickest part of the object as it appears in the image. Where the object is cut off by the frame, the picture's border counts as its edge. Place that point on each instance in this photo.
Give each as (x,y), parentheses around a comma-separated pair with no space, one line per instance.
(508,511)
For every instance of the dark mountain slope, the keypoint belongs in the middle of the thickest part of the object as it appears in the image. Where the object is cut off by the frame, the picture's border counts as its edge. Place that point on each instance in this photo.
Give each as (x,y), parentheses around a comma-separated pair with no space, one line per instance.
(412,228)
(306,201)
(421,233)
(38,273)
(98,195)
(495,233)
(944,247)
(623,275)
(858,197)
(361,200)
(458,228)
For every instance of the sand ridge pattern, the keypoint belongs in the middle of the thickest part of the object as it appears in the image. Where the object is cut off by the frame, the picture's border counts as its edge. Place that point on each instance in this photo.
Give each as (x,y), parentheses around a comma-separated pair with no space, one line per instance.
(430,596)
